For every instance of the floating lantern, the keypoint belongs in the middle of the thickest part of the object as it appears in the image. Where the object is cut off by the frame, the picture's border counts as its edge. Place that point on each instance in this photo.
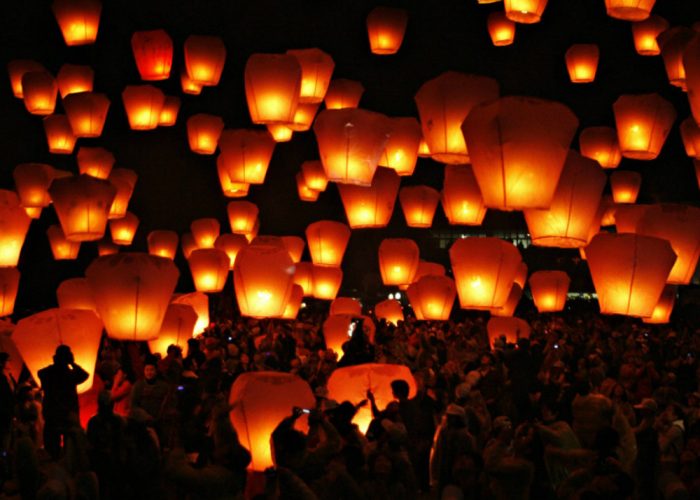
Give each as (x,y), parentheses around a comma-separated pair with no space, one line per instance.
(246,154)
(627,217)
(343,94)
(607,209)
(95,162)
(204,59)
(501,29)
(389,310)
(510,328)
(549,289)
(229,188)
(305,192)
(371,207)
(426,269)
(153,53)
(673,42)
(386,27)
(59,134)
(327,281)
(508,309)
(143,104)
(209,268)
(690,133)
(401,150)
(14,224)
(643,123)
(432,297)
(177,328)
(9,284)
(124,180)
(419,204)
(272,85)
(231,244)
(644,34)
(664,307)
(124,229)
(105,247)
(525,11)
(188,86)
(295,247)
(304,277)
(337,329)
(73,79)
(625,186)
(582,62)
(347,306)
(75,293)
(280,133)
(61,248)
(79,20)
(203,132)
(521,275)
(423,150)
(327,241)
(600,144)
(205,231)
(316,70)
(162,243)
(168,114)
(691,56)
(303,117)
(32,181)
(242,216)
(461,196)
(254,233)
(200,303)
(17,69)
(292,308)
(82,204)
(629,10)
(398,261)
(314,175)
(39,89)
(86,112)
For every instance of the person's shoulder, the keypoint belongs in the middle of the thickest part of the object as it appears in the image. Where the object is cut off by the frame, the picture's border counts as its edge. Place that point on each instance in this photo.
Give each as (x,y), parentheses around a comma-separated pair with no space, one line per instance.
(46,371)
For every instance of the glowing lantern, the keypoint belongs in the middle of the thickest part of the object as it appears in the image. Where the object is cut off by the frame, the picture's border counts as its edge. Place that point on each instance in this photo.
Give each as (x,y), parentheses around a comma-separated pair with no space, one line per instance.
(389,310)
(625,186)
(304,277)
(242,216)
(664,307)
(188,86)
(32,181)
(691,63)
(124,180)
(143,104)
(518,146)
(343,94)
(40,90)
(521,275)
(501,29)
(17,69)
(75,293)
(372,206)
(37,337)
(292,308)
(229,188)
(508,309)
(525,11)
(263,279)
(600,144)
(14,224)
(203,132)
(401,150)
(200,303)
(512,329)
(280,133)
(177,328)
(398,261)
(423,150)
(153,53)
(549,289)
(246,154)
(295,247)
(73,79)
(608,209)
(86,112)
(305,192)
(95,162)
(132,292)
(33,212)
(124,229)
(673,42)
(426,269)
(205,232)
(314,176)
(254,233)
(386,27)
(690,133)
(327,242)
(645,33)
(443,104)
(629,10)
(351,383)
(327,281)
(582,62)
(9,284)
(627,217)
(461,196)
(316,70)
(231,244)
(59,134)
(162,243)
(432,297)
(272,85)
(204,59)
(61,248)
(78,20)
(347,306)
(629,272)
(209,268)
(168,114)
(643,123)
(337,329)
(350,143)
(303,117)
(419,204)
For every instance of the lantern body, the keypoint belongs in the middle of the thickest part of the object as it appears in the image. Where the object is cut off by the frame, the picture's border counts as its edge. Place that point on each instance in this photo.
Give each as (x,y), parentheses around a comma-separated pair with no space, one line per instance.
(78,20)
(350,144)
(582,62)
(292,308)
(14,224)
(518,146)
(398,261)
(124,229)
(231,244)
(73,79)
(690,133)
(371,207)
(327,281)
(153,53)
(162,243)
(629,272)
(521,275)
(327,241)
(40,90)
(337,329)
(627,217)
(32,181)
(347,306)
(314,175)
(316,70)
(272,87)
(645,33)
(389,310)
(143,104)
(432,297)
(461,196)
(280,133)
(386,27)
(178,325)
(343,94)
(426,269)
(508,309)
(209,268)
(664,307)
(304,277)
(229,188)
(401,150)
(511,328)
(105,247)
(124,180)
(501,29)
(59,134)
(9,285)
(443,104)
(82,204)
(168,114)
(61,248)
(525,11)
(205,232)
(304,191)
(600,144)
(205,57)
(263,279)
(672,43)
(188,86)
(86,112)
(200,303)
(75,293)
(242,216)
(691,56)
(629,10)
(95,162)
(419,204)
(295,247)
(625,186)
(549,289)
(203,132)
(246,154)
(17,69)
(643,123)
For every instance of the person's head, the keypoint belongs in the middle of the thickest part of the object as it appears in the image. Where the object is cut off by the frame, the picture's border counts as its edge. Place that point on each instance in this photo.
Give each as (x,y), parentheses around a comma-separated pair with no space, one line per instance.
(486,360)
(400,389)
(673,412)
(63,355)
(105,404)
(647,408)
(549,411)
(174,351)
(503,429)
(456,416)
(150,369)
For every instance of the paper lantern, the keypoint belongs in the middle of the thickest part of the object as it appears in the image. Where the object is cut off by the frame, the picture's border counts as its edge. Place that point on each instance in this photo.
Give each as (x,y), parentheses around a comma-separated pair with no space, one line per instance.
(263,279)
(389,310)
(246,154)
(401,150)
(386,27)
(316,70)
(327,281)
(295,247)
(203,132)
(518,146)
(629,10)
(32,181)
(72,79)
(664,307)
(350,144)
(177,328)
(567,221)
(432,297)
(501,29)
(75,293)
(231,244)
(627,217)
(303,117)
(254,233)
(351,383)
(607,211)
(629,272)
(17,69)
(347,306)
(124,180)
(59,134)
(86,112)
(61,248)
(600,144)
(343,94)
(305,192)
(461,196)
(426,269)
(398,261)
(644,34)
(229,188)
(242,216)
(39,89)
(270,396)
(143,104)
(162,243)
(371,207)
(443,104)
(304,277)
(643,123)
(124,229)
(209,268)
(625,186)
(510,328)
(9,284)
(168,114)
(78,20)
(419,204)
(37,337)
(14,224)
(132,292)
(508,309)
(673,42)
(582,62)
(423,149)
(521,275)
(327,241)
(153,53)
(205,231)
(524,11)
(96,162)
(337,329)
(200,303)
(188,86)
(314,176)
(691,64)
(690,133)
(204,59)
(292,308)
(280,133)
(549,289)
(272,87)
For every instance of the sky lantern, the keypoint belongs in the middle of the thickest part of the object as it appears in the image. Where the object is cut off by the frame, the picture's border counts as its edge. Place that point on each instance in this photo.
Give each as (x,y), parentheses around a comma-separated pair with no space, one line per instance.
(525,11)
(501,29)
(582,62)
(680,225)
(386,27)
(246,154)
(443,104)
(567,221)
(511,328)
(95,162)
(664,307)
(303,117)
(40,90)
(124,229)
(209,268)
(346,305)
(327,281)
(337,329)
(549,289)
(153,53)
(188,86)
(75,293)
(629,10)
(625,185)
(203,132)
(484,269)
(327,241)
(254,232)
(426,268)
(423,149)
(73,78)
(643,123)
(371,207)
(521,275)
(690,133)
(389,310)
(229,188)
(143,104)
(304,191)
(263,279)
(272,87)
(9,284)
(343,94)
(398,261)
(508,309)
(200,303)
(316,70)
(270,396)
(32,181)
(600,144)
(124,180)
(628,216)
(17,68)
(314,176)
(59,134)
(280,133)
(242,216)
(61,248)
(177,328)
(419,204)
(295,246)
(672,43)
(86,112)
(162,243)
(231,244)
(205,231)
(205,57)
(37,337)
(14,224)
(432,297)
(351,383)
(350,143)
(461,197)
(691,63)
(105,247)
(629,272)
(401,150)
(132,292)
(304,277)
(607,211)
(78,20)
(518,146)
(168,114)
(292,308)
(645,32)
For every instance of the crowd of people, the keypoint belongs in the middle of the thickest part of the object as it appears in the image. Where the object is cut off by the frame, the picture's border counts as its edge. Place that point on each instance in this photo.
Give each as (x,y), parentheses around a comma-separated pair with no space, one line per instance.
(588,407)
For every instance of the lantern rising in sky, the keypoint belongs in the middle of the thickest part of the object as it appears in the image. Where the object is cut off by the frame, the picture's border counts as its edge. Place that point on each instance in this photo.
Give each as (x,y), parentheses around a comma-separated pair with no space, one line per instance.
(231,244)
(398,261)
(672,43)
(72,79)
(163,243)
(419,204)
(625,186)
(401,150)
(177,328)
(501,29)
(643,123)
(316,70)
(40,90)
(304,191)
(242,216)
(59,134)
(9,285)
(386,27)
(78,20)
(124,229)
(61,248)
(75,293)
(525,11)
(209,268)
(664,307)
(203,132)
(327,281)
(549,289)
(644,34)
(600,144)
(582,62)
(124,180)
(461,196)
(629,10)
(246,154)
(205,231)
(389,310)
(371,207)
(153,53)
(432,297)
(314,176)
(143,104)
(86,112)
(17,68)
(343,94)
(96,162)
(205,57)
(272,87)
(346,305)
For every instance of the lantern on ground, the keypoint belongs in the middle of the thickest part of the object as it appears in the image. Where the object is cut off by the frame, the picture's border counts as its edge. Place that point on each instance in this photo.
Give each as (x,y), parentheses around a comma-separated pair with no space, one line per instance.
(200,303)
(203,132)
(629,10)
(419,204)
(14,224)
(246,154)
(643,123)
(39,89)
(205,231)
(59,134)
(510,328)
(398,261)
(231,244)
(432,297)
(508,309)
(272,85)
(124,180)
(304,191)
(389,310)
(664,307)
(347,306)
(521,275)
(124,229)
(627,217)
(549,289)
(501,29)
(316,70)
(32,181)
(672,43)
(95,162)
(86,112)
(327,281)
(153,53)
(242,216)
(314,176)
(691,63)
(17,69)
(292,308)
(162,243)
(75,293)
(73,79)
(188,86)
(168,114)
(205,57)
(177,328)
(401,150)
(600,144)
(327,241)
(295,247)
(82,204)
(143,104)
(371,207)
(209,268)
(625,186)
(9,284)
(644,34)
(304,277)
(343,94)
(78,20)
(61,248)
(461,196)
(229,188)
(582,62)
(337,329)
(525,11)
(386,27)
(690,133)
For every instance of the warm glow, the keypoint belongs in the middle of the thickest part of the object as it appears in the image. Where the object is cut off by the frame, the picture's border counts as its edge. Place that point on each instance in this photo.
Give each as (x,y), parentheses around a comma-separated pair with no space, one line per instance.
(664,307)
(691,55)
(200,302)
(629,10)
(32,181)
(272,83)
(398,261)
(292,308)
(205,231)
(242,216)
(690,133)
(9,285)
(177,328)
(280,133)
(79,20)
(600,144)
(673,42)
(15,224)
(327,281)
(432,297)
(73,79)
(461,196)
(123,230)
(327,241)
(316,70)
(168,114)
(189,86)
(305,192)
(643,123)
(163,243)
(501,29)
(209,268)
(372,206)
(389,310)
(625,186)
(386,27)
(61,248)
(143,104)
(204,59)
(401,150)
(95,162)
(582,62)
(343,94)
(525,11)
(645,33)
(345,305)
(304,277)
(512,329)
(124,180)
(295,246)
(59,134)
(419,204)
(203,132)
(508,309)
(153,53)
(337,329)
(86,112)
(40,90)
(549,289)
(314,176)
(246,154)
(231,244)
(75,293)
(17,69)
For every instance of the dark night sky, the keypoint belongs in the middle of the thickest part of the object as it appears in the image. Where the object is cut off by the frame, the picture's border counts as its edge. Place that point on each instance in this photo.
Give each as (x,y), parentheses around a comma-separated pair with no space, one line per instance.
(176,186)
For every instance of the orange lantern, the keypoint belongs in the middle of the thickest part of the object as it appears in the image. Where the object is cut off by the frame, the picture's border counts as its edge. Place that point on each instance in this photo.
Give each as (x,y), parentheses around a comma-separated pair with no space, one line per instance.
(32,181)
(177,328)
(86,112)
(691,56)
(75,293)
(389,310)
(305,192)
(209,268)
(242,216)
(254,233)
(96,162)
(443,104)
(419,204)
(124,229)
(337,329)
(188,244)
(629,272)
(162,243)
(343,94)
(203,132)
(350,143)
(304,277)
(521,275)
(205,57)
(316,70)
(61,248)
(143,104)
(386,27)
(132,292)
(398,261)
(508,309)
(303,117)
(14,224)
(124,180)
(461,196)
(39,89)
(401,150)
(372,206)
(295,247)
(518,146)
(231,244)
(280,133)
(272,85)
(59,134)
(347,306)
(600,144)
(629,10)
(582,62)
(73,79)
(680,225)
(510,328)
(501,29)
(327,242)
(645,33)
(664,307)
(292,308)
(200,303)
(37,337)
(9,284)
(269,396)
(17,69)
(432,297)
(426,269)
(627,217)
(625,186)
(690,133)
(246,154)
(205,231)
(673,42)
(549,289)
(78,20)
(314,176)
(188,86)
(525,11)
(643,123)
(327,281)
(153,53)
(168,114)
(423,150)
(229,188)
